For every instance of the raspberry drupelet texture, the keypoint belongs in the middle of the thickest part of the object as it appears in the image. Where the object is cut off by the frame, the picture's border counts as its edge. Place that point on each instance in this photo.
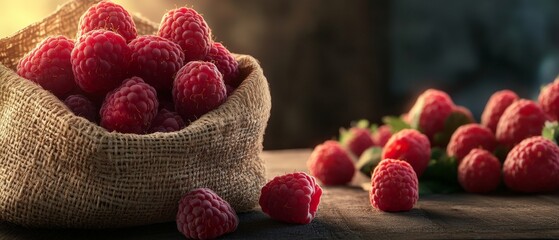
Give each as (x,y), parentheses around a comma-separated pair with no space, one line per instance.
(198,88)
(381,135)
(292,198)
(430,112)
(394,186)
(49,66)
(495,107)
(100,61)
(82,106)
(521,120)
(166,121)
(411,146)
(109,16)
(130,108)
(468,137)
(203,214)
(189,30)
(479,172)
(331,164)
(226,64)
(156,60)
(358,140)
(549,99)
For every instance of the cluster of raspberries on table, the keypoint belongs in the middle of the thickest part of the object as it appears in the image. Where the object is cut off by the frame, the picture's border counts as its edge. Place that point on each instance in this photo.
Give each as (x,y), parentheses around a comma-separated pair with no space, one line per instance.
(135,84)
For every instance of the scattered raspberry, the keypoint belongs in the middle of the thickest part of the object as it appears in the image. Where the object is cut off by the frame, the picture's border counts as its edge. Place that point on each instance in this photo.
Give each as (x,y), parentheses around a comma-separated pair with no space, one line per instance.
(204,215)
(496,106)
(522,119)
(226,63)
(198,89)
(411,146)
(381,136)
(166,121)
(156,60)
(189,30)
(394,186)
(81,106)
(291,198)
(532,166)
(130,108)
(49,66)
(109,16)
(549,99)
(430,112)
(100,61)
(357,140)
(331,164)
(468,137)
(479,172)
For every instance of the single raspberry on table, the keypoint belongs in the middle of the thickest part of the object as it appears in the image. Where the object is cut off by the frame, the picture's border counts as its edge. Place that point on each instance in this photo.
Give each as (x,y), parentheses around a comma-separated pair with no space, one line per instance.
(130,108)
(166,121)
(82,106)
(394,186)
(156,60)
(549,99)
(468,137)
(49,65)
(291,198)
(381,135)
(198,88)
(331,164)
(479,172)
(532,166)
(189,30)
(203,214)
(430,112)
(357,139)
(411,146)
(496,106)
(100,61)
(109,16)
(521,120)
(226,64)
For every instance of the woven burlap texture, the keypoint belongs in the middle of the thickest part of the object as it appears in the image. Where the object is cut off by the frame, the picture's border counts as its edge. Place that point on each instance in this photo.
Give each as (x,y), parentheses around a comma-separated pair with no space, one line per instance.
(59,170)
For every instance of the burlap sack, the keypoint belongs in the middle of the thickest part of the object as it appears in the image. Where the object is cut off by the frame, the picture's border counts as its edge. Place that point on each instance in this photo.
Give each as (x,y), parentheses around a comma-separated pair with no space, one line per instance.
(59,170)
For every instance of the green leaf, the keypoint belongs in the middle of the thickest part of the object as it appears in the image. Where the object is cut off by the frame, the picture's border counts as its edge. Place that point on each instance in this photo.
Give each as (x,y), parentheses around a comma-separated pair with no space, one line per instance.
(551,131)
(452,122)
(431,187)
(369,160)
(441,168)
(396,123)
(362,123)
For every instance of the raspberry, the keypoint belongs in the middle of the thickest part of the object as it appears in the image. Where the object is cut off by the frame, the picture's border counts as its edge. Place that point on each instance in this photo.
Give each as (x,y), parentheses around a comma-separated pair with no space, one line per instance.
(479,172)
(198,88)
(357,140)
(532,166)
(226,63)
(166,121)
(522,119)
(130,108)
(204,215)
(100,61)
(156,60)
(468,137)
(381,136)
(549,99)
(49,66)
(430,112)
(331,164)
(411,146)
(189,30)
(394,186)
(109,16)
(464,111)
(495,107)
(81,106)
(229,90)
(291,198)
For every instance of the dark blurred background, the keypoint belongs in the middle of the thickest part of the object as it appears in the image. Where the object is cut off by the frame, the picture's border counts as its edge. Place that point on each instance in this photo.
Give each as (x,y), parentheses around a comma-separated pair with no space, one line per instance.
(330,62)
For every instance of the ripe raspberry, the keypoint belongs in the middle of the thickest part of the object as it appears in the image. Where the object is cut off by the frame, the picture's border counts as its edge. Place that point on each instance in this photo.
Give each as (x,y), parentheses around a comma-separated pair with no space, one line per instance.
(198,88)
(357,140)
(109,16)
(226,63)
(100,61)
(49,66)
(532,166)
(166,121)
(549,99)
(430,112)
(411,146)
(479,172)
(204,215)
(495,107)
(81,106)
(381,136)
(468,137)
(130,108)
(331,164)
(522,119)
(291,198)
(156,60)
(189,30)
(394,186)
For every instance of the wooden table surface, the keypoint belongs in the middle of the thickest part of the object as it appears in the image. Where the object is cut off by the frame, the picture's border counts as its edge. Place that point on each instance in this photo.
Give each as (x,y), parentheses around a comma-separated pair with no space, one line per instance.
(345,213)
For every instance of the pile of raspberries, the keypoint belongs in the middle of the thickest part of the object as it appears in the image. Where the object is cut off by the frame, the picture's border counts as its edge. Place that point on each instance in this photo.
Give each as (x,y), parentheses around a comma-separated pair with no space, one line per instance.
(135,84)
